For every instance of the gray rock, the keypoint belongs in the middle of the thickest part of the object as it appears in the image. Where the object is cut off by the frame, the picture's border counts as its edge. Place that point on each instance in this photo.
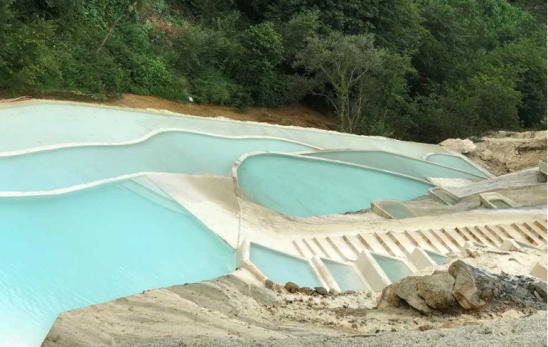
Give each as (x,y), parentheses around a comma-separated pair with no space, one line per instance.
(540,289)
(404,291)
(291,287)
(321,291)
(436,290)
(269,284)
(473,287)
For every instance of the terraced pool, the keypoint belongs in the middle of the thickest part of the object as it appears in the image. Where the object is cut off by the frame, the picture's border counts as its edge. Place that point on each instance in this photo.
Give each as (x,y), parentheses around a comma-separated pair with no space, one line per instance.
(420,169)
(303,187)
(171,152)
(73,250)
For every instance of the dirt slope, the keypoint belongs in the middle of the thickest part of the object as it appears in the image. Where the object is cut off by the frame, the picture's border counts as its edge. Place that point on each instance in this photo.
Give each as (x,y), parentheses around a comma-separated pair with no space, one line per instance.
(504,152)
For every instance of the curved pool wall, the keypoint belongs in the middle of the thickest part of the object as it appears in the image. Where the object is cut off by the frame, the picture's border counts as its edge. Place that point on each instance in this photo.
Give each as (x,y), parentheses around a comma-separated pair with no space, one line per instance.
(41,123)
(393,162)
(303,187)
(455,162)
(72,250)
(396,163)
(170,152)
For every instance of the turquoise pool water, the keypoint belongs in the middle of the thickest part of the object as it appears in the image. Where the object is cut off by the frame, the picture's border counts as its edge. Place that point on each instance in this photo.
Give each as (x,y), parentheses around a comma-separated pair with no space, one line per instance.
(396,209)
(172,152)
(46,123)
(455,162)
(396,163)
(395,269)
(303,187)
(73,250)
(438,259)
(499,203)
(283,268)
(345,276)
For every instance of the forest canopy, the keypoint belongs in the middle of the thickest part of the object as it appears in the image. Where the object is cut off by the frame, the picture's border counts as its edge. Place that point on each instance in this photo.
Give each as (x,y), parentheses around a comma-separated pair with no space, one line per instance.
(422,70)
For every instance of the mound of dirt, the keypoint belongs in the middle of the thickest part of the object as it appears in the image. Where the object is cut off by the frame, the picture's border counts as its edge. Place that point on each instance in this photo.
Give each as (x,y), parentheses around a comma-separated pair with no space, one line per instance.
(296,115)
(503,152)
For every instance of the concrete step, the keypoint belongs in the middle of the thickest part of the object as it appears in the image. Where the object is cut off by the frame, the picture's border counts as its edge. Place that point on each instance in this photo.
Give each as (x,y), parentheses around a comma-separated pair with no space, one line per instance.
(479,236)
(326,248)
(303,250)
(432,241)
(401,241)
(420,240)
(448,243)
(342,248)
(499,231)
(533,228)
(531,237)
(541,224)
(457,238)
(353,243)
(371,240)
(496,237)
(313,247)
(515,234)
(388,243)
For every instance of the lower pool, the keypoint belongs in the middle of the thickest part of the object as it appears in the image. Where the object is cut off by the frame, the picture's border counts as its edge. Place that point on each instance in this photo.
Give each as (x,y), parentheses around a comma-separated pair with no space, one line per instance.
(281,268)
(299,186)
(73,250)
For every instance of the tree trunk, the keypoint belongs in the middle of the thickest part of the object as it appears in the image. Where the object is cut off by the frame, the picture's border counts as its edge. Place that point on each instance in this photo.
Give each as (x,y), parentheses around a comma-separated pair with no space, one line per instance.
(108,34)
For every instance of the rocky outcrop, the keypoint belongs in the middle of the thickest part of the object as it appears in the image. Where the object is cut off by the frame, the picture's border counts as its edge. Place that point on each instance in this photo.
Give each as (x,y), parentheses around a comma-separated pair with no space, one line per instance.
(462,286)
(460,146)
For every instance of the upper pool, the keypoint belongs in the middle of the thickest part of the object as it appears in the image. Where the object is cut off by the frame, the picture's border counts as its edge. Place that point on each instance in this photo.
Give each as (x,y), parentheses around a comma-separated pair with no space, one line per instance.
(302,186)
(455,162)
(172,152)
(42,123)
(420,169)
(73,250)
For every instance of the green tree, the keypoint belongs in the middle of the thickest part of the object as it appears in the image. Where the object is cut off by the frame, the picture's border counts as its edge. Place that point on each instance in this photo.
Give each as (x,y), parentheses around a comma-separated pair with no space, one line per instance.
(341,63)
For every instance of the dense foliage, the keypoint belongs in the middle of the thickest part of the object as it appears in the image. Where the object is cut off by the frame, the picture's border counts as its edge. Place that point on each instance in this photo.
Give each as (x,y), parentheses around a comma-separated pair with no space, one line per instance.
(422,70)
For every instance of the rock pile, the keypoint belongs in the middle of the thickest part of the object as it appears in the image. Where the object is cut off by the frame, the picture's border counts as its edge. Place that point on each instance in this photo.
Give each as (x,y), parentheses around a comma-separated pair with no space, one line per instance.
(463,286)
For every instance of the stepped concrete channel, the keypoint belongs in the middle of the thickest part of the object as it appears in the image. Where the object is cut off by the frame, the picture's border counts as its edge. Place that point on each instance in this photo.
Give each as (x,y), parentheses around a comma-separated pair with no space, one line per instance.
(336,250)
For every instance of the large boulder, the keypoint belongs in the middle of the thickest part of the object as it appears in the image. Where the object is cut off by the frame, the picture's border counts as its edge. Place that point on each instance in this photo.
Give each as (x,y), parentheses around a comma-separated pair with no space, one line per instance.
(472,285)
(403,291)
(465,286)
(421,293)
(436,290)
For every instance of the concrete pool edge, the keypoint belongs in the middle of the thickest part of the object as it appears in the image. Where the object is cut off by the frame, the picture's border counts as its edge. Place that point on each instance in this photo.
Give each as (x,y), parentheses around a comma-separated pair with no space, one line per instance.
(167,113)
(238,163)
(466,159)
(393,153)
(141,140)
(296,131)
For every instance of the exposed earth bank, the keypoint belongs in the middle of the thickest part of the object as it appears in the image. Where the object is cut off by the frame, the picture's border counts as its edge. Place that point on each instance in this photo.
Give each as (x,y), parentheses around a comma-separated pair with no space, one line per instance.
(503,152)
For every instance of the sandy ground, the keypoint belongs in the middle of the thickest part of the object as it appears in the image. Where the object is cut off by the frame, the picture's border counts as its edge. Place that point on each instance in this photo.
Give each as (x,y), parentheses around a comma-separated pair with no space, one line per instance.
(237,310)
(526,332)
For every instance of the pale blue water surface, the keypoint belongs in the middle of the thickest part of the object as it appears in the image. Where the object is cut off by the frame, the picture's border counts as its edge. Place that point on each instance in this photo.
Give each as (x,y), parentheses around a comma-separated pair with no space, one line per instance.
(395,269)
(303,187)
(282,268)
(73,250)
(455,162)
(172,152)
(345,275)
(420,169)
